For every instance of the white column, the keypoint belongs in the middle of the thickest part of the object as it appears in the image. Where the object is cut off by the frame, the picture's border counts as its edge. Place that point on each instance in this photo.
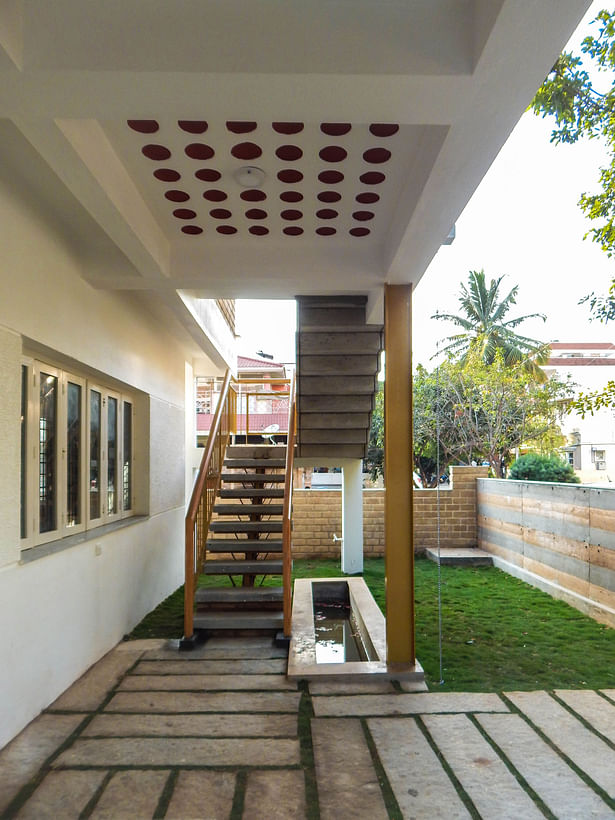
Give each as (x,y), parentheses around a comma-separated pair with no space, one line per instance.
(352,516)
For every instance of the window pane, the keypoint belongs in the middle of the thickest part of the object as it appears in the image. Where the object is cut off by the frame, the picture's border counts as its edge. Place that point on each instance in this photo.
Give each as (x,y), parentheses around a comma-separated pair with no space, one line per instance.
(95,416)
(24,423)
(73,455)
(127,463)
(111,455)
(47,471)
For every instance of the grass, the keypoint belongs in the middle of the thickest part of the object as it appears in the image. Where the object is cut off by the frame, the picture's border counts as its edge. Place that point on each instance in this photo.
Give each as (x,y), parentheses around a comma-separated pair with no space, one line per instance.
(498,633)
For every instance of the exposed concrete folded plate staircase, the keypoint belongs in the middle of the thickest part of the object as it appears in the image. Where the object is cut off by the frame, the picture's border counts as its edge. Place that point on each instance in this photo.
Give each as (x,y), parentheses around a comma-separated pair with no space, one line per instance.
(338,359)
(245,542)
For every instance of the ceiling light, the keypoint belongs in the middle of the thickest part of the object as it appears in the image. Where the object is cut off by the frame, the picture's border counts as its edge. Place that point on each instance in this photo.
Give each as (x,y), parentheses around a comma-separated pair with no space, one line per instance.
(249,176)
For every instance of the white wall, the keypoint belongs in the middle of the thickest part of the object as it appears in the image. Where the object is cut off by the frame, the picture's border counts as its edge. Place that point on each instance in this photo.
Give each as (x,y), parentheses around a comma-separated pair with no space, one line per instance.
(61,612)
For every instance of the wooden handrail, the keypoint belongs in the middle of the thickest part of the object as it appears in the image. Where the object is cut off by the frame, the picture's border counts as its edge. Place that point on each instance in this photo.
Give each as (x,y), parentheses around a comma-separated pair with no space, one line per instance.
(201,503)
(288,501)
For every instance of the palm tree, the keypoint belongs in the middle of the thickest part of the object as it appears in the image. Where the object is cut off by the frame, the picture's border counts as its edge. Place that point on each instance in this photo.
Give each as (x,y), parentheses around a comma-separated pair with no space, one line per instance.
(486,330)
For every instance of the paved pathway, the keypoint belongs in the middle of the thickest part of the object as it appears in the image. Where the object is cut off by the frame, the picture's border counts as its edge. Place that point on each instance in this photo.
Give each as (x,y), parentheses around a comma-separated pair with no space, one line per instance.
(221,733)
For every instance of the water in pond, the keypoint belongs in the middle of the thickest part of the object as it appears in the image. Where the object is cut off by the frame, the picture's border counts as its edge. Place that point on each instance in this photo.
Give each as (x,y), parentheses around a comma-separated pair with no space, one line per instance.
(338,638)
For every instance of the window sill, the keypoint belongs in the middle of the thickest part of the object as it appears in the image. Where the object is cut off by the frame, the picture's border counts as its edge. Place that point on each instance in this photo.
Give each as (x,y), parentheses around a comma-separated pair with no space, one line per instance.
(50,548)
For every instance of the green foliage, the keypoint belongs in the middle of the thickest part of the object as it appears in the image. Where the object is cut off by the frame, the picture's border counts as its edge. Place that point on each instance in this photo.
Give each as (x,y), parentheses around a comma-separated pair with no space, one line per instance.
(485,330)
(535,467)
(375,448)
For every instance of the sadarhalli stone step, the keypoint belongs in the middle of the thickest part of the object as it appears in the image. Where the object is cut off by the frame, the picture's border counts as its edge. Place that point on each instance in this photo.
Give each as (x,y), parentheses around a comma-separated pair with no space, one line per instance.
(253,478)
(245,526)
(249,509)
(263,492)
(239,619)
(232,545)
(239,595)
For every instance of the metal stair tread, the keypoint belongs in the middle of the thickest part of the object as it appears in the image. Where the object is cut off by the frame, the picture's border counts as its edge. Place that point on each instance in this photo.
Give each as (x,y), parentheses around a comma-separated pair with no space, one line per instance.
(252,478)
(235,595)
(246,526)
(249,509)
(219,567)
(232,545)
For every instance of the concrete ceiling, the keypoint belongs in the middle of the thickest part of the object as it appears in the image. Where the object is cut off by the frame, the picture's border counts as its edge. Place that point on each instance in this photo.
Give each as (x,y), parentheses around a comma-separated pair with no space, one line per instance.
(372,123)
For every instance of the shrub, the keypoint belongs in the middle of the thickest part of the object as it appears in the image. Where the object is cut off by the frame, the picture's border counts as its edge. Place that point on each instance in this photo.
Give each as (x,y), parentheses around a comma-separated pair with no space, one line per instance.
(534,467)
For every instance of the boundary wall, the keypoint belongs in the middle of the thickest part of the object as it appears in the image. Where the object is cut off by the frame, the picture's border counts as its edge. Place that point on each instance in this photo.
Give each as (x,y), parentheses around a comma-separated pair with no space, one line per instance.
(558,537)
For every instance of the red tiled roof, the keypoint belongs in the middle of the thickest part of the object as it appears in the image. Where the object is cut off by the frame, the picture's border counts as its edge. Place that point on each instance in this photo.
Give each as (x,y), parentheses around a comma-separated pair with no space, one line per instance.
(249,362)
(582,346)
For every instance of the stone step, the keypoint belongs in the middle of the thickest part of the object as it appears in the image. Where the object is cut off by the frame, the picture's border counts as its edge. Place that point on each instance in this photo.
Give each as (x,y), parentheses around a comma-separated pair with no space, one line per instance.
(335,404)
(264,492)
(333,315)
(327,343)
(239,595)
(330,301)
(242,619)
(253,478)
(460,557)
(244,545)
(249,509)
(358,435)
(341,365)
(240,463)
(256,451)
(329,451)
(245,526)
(242,567)
(333,421)
(336,385)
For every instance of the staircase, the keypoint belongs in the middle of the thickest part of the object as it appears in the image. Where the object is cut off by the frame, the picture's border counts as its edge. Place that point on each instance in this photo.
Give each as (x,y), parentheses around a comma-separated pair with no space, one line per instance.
(338,359)
(244,542)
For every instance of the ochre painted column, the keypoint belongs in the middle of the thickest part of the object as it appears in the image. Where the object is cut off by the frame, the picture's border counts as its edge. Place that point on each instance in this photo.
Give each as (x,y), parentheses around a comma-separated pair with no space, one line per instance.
(398,525)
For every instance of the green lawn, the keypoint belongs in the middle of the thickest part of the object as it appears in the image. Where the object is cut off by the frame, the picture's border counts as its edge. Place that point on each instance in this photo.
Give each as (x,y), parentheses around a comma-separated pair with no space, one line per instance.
(498,632)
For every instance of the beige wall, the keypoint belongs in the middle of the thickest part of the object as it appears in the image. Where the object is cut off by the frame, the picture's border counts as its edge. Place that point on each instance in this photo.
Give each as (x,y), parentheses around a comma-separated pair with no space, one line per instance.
(317,515)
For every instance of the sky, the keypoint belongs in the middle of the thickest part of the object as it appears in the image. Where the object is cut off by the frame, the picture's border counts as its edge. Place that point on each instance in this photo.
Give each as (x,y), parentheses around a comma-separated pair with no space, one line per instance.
(523,222)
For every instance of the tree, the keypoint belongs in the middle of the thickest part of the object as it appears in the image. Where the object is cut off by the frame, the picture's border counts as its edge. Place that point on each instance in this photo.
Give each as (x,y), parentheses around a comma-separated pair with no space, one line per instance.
(486,331)
(535,467)
(569,95)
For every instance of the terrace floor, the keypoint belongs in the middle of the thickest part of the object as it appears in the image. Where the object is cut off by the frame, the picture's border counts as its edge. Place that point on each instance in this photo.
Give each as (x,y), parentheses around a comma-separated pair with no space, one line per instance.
(219,732)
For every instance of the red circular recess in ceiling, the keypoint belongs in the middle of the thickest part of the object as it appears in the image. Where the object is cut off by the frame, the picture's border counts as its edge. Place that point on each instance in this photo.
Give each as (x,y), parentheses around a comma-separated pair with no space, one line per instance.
(208,174)
(184,213)
(293,230)
(246,150)
(193,230)
(214,195)
(291,215)
(287,127)
(237,127)
(383,129)
(290,175)
(253,195)
(157,152)
(143,126)
(291,196)
(166,175)
(358,231)
(333,153)
(377,155)
(325,231)
(193,126)
(363,216)
(220,213)
(372,178)
(329,196)
(177,196)
(367,198)
(198,150)
(335,129)
(330,177)
(289,153)
(258,230)
(326,213)
(256,213)
(226,229)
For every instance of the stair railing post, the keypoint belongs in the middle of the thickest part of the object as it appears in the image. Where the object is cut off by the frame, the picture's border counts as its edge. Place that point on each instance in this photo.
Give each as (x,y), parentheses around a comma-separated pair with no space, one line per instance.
(287,522)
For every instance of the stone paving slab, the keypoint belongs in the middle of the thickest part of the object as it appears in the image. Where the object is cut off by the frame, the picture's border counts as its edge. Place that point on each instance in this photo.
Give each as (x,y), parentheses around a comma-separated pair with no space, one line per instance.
(222,649)
(199,795)
(205,683)
(111,725)
(407,704)
(87,693)
(610,693)
(366,687)
(420,784)
(131,794)
(413,686)
(21,759)
(597,711)
(484,777)
(347,781)
(181,752)
(275,795)
(267,666)
(62,795)
(562,790)
(591,754)
(204,702)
